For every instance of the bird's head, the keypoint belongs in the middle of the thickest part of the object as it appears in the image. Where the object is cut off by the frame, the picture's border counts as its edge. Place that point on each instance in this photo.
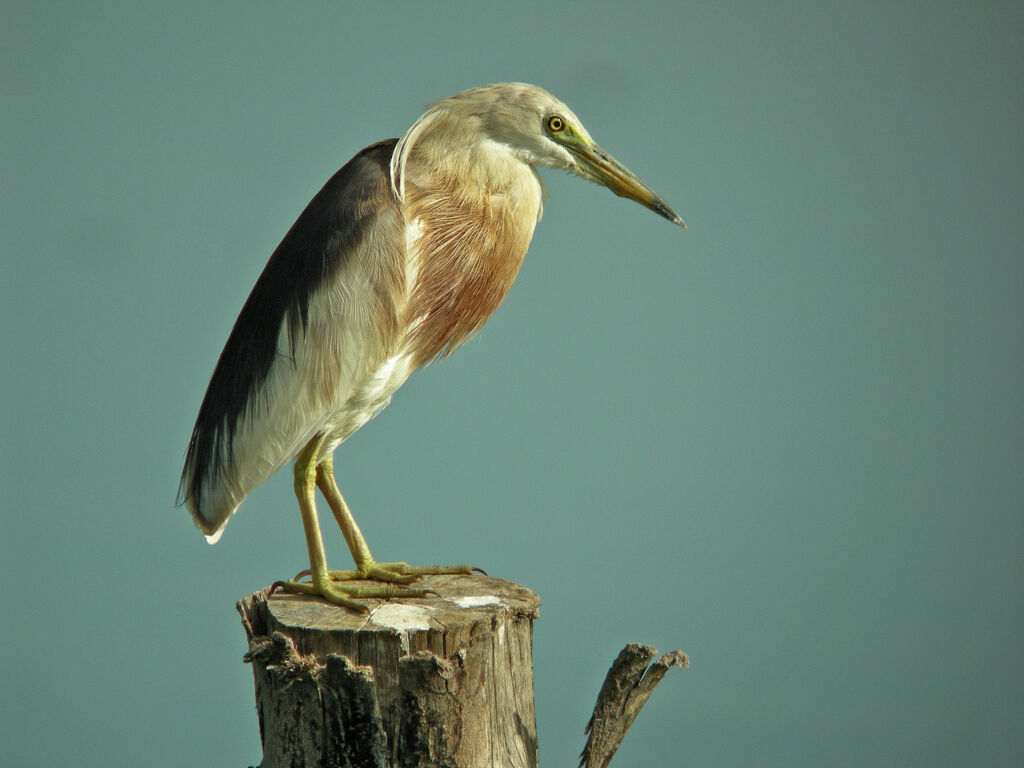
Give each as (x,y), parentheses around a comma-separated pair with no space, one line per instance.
(538,129)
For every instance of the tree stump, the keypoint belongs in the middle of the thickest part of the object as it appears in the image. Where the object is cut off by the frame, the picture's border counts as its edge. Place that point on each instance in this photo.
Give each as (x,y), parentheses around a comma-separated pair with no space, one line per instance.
(444,681)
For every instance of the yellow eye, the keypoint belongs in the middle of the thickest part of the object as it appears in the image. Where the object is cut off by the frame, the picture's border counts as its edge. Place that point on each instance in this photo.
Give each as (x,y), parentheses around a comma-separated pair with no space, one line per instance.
(556,124)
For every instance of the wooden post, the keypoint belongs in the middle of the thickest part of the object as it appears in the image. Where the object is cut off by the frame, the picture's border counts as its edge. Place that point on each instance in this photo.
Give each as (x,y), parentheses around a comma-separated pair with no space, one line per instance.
(444,681)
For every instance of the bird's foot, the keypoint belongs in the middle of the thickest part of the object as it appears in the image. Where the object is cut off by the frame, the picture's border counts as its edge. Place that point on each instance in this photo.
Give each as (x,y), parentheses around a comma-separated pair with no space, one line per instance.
(394,573)
(403,573)
(347,595)
(395,576)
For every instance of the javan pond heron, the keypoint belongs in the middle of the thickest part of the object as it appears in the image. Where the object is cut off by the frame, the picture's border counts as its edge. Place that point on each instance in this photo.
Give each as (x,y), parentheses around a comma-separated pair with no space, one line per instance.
(401,257)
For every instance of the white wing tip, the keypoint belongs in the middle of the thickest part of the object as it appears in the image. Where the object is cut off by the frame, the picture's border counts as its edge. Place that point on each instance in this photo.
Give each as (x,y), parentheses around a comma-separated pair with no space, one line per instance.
(214,537)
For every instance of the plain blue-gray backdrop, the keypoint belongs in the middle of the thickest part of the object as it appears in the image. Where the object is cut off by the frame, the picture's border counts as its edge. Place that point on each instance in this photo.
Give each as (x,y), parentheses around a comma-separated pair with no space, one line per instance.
(789,440)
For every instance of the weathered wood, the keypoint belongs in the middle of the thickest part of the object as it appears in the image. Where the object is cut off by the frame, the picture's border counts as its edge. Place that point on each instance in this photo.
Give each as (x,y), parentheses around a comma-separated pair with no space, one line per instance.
(441,681)
(627,687)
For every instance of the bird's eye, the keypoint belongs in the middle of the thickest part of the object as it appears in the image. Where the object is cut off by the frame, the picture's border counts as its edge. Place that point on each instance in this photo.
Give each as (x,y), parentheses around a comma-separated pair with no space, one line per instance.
(556,124)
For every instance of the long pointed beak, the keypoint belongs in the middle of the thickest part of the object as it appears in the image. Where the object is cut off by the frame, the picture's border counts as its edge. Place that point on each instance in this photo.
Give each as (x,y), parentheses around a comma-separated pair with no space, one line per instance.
(599,166)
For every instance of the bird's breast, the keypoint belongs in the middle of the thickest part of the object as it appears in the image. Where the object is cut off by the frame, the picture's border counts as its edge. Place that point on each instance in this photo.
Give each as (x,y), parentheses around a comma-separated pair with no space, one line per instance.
(464,249)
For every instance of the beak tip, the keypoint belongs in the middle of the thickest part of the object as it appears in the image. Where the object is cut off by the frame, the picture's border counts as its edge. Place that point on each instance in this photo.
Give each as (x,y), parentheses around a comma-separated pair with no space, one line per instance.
(661,207)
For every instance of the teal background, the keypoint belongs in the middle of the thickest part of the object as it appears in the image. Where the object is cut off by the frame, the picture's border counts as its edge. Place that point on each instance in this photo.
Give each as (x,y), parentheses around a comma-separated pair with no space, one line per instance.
(789,440)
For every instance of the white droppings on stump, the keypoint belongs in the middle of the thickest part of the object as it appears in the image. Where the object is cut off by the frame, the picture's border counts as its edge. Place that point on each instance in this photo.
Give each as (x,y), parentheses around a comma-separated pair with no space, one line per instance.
(404,619)
(475,601)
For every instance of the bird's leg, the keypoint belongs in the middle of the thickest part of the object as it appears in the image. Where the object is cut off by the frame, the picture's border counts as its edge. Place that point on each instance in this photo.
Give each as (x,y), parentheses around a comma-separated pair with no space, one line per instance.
(366,566)
(320,579)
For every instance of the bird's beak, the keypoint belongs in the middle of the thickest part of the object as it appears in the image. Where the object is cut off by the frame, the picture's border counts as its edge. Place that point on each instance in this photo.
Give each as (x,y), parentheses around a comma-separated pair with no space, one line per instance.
(597,165)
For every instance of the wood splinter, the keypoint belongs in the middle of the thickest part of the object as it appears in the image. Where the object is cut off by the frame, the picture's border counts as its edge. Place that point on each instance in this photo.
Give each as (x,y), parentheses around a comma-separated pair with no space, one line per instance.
(627,687)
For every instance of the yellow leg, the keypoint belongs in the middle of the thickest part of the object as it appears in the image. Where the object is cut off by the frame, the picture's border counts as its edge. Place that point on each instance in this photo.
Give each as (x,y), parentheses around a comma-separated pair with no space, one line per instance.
(366,567)
(321,582)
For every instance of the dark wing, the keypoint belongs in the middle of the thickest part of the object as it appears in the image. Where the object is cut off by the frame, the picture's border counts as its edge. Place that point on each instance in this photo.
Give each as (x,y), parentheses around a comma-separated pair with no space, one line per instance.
(326,233)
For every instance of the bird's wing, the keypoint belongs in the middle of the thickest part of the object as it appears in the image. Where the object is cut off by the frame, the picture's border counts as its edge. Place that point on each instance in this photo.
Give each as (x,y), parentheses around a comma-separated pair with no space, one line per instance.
(322,306)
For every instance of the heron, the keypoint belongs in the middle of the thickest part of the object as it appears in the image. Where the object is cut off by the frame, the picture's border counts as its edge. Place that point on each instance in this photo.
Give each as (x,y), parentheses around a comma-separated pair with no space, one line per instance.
(399,259)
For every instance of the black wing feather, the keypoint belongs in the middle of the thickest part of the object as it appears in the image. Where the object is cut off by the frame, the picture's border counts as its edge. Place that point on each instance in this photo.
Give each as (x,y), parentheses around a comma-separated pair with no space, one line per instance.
(317,245)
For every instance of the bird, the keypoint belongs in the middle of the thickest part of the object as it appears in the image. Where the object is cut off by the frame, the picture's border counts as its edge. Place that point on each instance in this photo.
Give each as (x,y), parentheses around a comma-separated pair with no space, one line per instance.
(400,258)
